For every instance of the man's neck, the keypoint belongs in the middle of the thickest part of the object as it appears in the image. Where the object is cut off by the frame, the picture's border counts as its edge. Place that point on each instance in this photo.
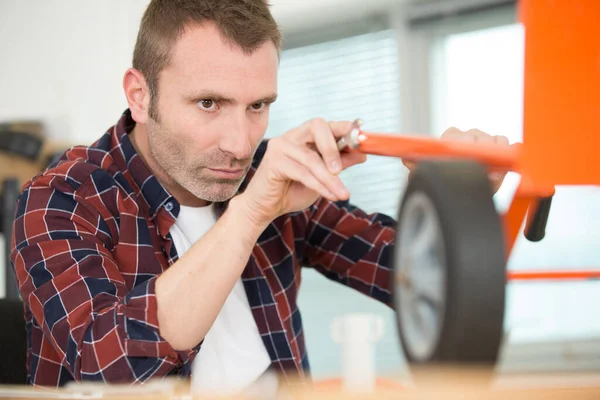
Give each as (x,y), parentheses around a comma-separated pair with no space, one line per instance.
(139,140)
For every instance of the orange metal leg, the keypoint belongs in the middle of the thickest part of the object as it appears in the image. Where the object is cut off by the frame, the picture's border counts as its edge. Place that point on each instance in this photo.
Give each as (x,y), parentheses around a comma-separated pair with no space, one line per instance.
(525,199)
(566,275)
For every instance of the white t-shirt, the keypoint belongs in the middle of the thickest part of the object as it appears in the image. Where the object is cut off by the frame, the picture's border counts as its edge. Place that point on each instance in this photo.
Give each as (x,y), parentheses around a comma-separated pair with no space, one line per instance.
(232,356)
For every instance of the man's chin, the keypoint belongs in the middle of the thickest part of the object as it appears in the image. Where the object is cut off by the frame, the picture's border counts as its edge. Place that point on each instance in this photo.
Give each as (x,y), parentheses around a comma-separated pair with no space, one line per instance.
(220,190)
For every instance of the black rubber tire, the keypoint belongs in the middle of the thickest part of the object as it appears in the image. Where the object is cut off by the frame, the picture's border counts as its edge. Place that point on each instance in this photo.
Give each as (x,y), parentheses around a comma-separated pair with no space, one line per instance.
(473,316)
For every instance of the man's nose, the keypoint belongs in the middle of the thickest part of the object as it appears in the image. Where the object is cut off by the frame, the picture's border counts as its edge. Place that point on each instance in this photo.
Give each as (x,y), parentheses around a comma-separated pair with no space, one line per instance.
(236,137)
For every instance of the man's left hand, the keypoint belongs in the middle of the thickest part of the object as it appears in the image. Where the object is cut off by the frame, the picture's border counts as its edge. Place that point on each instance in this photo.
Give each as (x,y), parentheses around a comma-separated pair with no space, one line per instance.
(473,136)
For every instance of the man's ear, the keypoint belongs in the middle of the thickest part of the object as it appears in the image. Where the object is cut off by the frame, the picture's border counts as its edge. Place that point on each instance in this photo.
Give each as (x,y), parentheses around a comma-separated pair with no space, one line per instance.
(137,94)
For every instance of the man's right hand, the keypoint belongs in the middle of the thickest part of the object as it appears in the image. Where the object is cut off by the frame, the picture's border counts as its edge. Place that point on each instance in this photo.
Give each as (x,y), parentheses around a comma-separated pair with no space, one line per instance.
(297,168)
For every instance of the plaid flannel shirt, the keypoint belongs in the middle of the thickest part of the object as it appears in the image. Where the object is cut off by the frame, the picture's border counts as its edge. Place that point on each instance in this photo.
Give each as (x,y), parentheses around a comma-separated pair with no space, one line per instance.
(91,235)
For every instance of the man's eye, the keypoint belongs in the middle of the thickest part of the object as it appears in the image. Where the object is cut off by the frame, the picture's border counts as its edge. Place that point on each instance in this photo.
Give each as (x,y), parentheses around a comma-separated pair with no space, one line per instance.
(207,105)
(258,106)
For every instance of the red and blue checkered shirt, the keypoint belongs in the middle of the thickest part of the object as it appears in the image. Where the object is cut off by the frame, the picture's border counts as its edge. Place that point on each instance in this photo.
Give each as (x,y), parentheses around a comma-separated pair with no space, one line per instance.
(91,235)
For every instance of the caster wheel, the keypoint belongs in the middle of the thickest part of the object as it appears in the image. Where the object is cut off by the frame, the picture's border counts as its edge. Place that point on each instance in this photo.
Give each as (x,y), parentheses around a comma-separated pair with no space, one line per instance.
(449,266)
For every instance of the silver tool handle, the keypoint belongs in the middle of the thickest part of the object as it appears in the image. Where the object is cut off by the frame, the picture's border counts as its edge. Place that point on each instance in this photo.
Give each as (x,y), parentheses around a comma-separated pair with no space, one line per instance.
(350,140)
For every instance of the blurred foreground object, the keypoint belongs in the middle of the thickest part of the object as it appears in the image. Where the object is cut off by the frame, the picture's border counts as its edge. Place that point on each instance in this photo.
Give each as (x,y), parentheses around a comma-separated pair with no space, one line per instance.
(448,382)
(451,245)
(357,334)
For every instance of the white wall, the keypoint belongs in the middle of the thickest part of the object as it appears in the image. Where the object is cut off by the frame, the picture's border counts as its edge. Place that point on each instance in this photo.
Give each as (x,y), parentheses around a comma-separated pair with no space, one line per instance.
(297,15)
(62,62)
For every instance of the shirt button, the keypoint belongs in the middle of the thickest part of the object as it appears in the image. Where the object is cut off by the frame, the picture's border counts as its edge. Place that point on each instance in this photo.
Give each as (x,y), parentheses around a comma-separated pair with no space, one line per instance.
(169,206)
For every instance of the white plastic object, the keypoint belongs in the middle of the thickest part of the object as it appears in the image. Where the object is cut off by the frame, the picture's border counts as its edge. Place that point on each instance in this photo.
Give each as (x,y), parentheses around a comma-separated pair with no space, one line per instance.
(264,387)
(357,335)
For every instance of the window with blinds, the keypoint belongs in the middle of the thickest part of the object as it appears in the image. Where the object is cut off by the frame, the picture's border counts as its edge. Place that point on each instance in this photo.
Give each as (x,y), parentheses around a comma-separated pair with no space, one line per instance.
(345,79)
(482,87)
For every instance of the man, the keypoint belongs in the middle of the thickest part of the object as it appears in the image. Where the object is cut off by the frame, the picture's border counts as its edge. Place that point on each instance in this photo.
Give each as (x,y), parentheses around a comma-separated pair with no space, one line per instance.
(179,235)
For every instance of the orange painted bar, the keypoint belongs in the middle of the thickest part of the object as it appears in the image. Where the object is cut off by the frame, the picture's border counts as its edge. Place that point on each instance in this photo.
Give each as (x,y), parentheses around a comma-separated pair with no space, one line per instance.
(418,147)
(566,275)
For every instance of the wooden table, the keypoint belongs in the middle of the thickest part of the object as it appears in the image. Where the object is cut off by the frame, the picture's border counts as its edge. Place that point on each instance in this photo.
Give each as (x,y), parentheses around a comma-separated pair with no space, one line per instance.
(427,383)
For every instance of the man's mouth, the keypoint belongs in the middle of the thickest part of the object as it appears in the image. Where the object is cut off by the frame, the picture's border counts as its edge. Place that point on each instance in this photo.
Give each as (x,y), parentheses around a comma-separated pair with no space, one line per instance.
(228,173)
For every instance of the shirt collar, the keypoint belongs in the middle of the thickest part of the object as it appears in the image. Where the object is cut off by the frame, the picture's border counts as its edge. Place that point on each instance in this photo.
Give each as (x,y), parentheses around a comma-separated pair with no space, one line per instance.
(154,194)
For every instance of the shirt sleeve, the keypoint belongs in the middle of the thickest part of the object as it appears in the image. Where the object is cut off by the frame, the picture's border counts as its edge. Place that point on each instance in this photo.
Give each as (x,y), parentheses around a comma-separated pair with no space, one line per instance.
(76,293)
(352,247)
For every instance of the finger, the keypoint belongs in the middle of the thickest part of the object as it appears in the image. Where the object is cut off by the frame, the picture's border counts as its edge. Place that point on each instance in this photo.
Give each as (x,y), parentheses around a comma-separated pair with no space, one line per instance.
(496,179)
(311,160)
(349,157)
(501,140)
(452,130)
(326,144)
(456,135)
(317,134)
(409,164)
(353,158)
(299,173)
(340,128)
(480,136)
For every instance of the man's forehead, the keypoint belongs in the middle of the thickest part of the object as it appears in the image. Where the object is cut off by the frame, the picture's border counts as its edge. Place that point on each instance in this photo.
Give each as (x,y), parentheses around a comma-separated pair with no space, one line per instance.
(202,49)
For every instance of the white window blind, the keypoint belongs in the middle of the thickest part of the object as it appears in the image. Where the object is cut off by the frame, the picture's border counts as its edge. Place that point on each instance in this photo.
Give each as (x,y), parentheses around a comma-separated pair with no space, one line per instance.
(344,79)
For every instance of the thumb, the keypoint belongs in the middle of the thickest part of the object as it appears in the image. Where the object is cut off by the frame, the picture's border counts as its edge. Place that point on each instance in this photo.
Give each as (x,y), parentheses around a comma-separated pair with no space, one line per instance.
(409,164)
(497,178)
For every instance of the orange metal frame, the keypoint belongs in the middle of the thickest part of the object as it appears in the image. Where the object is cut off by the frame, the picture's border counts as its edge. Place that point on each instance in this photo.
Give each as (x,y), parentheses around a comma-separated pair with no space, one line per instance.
(561,116)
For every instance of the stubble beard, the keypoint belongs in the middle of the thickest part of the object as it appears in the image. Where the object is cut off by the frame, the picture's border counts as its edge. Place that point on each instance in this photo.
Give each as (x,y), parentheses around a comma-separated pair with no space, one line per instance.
(192,175)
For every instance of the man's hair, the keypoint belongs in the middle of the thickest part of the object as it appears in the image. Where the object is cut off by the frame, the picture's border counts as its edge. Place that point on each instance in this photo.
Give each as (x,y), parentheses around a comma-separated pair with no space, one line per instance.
(245,23)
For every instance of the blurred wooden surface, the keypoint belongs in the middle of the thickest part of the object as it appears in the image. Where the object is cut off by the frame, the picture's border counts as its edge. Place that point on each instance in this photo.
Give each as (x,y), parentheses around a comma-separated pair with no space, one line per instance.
(16,166)
(428,383)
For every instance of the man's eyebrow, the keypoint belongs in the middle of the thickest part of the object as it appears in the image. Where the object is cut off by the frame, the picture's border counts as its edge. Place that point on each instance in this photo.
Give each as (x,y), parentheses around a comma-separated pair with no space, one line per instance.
(268,99)
(211,95)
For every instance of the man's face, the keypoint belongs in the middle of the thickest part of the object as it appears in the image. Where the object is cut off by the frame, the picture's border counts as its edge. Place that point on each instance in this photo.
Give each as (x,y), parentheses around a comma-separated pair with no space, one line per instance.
(212,112)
